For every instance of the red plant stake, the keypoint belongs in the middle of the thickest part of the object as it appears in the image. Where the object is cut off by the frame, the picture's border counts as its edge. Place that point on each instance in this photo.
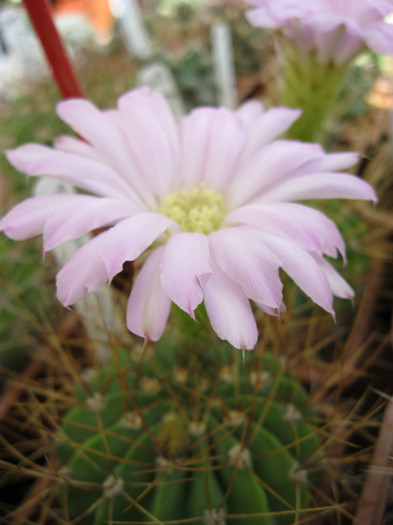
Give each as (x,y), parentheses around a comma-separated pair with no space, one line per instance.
(41,17)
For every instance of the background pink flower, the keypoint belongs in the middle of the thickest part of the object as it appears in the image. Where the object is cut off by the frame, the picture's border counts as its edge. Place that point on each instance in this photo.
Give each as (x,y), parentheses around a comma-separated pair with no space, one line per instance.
(336,29)
(207,201)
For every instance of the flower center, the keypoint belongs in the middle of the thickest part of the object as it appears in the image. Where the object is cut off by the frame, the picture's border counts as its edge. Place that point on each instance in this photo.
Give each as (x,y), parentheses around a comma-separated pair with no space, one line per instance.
(198,210)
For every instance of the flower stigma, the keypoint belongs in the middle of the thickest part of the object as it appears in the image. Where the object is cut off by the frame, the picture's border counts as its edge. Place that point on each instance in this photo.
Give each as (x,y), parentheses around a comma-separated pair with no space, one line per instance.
(198,210)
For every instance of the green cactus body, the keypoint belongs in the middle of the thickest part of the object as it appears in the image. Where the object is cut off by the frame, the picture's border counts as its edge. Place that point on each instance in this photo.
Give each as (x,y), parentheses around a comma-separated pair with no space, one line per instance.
(205,493)
(206,442)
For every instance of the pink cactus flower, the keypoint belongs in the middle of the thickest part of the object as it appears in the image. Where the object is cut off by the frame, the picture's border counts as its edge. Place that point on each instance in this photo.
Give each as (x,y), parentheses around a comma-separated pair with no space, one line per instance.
(337,30)
(204,206)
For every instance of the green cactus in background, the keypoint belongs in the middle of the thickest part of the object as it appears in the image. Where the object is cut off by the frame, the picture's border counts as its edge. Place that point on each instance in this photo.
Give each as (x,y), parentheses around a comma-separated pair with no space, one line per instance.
(185,434)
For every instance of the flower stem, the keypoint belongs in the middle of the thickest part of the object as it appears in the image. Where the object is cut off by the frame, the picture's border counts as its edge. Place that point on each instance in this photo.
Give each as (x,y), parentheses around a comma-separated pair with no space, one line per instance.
(41,17)
(313,87)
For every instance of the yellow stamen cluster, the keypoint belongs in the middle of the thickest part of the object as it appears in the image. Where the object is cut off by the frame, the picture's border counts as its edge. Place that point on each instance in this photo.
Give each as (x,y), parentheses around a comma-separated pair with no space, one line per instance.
(198,210)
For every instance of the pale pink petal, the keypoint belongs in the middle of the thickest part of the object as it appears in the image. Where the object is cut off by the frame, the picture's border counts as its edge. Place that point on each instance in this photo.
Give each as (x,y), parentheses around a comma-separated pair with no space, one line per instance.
(185,268)
(88,174)
(348,47)
(131,237)
(268,168)
(249,113)
(307,227)
(28,218)
(79,147)
(246,260)
(149,306)
(102,257)
(83,117)
(153,138)
(226,140)
(229,311)
(320,186)
(379,37)
(332,162)
(142,171)
(328,22)
(303,269)
(212,140)
(275,312)
(339,286)
(193,153)
(384,7)
(267,127)
(82,216)
(261,18)
(84,272)
(159,110)
(98,129)
(287,9)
